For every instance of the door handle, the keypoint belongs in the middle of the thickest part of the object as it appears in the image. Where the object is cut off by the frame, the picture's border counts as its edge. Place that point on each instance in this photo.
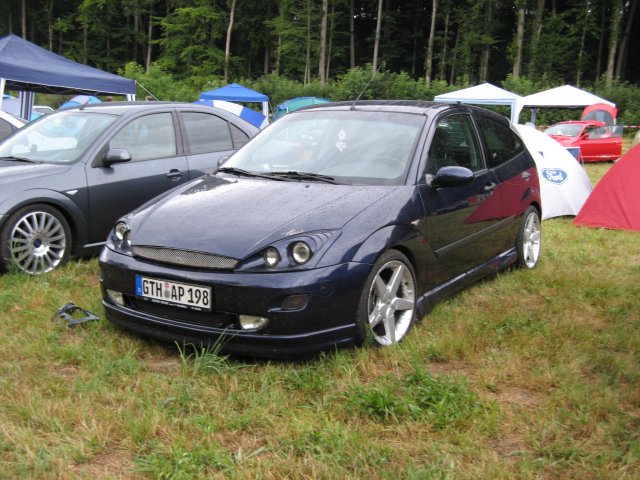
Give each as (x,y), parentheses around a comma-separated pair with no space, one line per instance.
(175,174)
(490,187)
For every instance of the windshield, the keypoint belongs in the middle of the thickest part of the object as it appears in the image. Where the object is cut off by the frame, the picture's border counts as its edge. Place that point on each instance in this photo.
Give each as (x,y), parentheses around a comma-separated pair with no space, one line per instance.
(61,137)
(359,147)
(564,130)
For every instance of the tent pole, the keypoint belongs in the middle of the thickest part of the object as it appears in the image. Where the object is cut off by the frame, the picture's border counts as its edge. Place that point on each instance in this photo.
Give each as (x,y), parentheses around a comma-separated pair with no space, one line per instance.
(3,82)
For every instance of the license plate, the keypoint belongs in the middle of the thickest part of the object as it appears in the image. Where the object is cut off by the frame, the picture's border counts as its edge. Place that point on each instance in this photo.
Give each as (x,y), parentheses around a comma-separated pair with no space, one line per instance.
(174,293)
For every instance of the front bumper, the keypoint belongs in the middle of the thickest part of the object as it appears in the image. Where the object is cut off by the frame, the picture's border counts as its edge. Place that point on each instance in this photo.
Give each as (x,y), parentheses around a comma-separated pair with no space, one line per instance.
(326,322)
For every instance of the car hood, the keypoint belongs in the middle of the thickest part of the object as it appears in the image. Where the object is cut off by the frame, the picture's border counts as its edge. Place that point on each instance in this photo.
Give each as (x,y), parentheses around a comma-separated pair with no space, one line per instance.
(12,172)
(235,217)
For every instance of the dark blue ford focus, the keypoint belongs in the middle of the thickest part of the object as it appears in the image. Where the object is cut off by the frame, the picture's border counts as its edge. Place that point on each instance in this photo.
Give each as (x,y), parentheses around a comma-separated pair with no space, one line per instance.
(336,225)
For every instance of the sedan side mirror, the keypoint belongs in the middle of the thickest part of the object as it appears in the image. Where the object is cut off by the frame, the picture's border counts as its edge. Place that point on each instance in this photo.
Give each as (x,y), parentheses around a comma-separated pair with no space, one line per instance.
(116,155)
(452,177)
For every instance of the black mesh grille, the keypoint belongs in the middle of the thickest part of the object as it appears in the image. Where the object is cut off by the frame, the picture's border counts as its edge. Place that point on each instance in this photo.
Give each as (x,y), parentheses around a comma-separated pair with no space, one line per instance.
(185,258)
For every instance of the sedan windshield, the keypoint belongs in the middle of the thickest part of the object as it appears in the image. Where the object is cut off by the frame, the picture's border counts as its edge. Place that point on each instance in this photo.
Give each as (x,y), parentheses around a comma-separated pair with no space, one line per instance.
(358,147)
(57,138)
(564,130)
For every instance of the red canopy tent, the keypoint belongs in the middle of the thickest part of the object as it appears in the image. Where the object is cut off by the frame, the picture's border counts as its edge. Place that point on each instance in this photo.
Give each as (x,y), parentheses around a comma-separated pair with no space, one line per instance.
(615,201)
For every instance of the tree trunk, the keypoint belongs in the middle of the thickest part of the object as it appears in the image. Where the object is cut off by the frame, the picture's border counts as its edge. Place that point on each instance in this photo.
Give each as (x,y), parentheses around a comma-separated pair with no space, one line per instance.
(352,37)
(454,64)
(376,45)
(486,47)
(23,18)
(49,8)
(603,17)
(616,17)
(227,46)
(535,33)
(307,64)
(323,43)
(582,41)
(85,43)
(330,43)
(149,39)
(624,43)
(517,63)
(428,63)
(443,60)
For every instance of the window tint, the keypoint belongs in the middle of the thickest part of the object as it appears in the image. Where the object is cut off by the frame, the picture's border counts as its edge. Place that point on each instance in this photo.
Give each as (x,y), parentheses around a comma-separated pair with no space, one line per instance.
(5,128)
(239,137)
(206,133)
(501,142)
(454,144)
(151,136)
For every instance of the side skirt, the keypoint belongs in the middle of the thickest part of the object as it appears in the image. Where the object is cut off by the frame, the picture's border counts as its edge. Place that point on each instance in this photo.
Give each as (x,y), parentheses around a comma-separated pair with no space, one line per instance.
(428,300)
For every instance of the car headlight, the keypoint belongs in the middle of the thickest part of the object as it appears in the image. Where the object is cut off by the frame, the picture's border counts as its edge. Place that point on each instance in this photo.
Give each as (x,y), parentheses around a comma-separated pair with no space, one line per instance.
(120,238)
(300,252)
(290,253)
(271,257)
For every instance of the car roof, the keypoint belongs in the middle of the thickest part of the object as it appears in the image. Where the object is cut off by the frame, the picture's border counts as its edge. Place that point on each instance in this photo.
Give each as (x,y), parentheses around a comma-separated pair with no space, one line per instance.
(421,107)
(131,108)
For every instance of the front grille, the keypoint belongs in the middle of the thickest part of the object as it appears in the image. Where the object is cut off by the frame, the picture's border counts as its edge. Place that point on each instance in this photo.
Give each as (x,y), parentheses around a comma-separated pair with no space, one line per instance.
(185,258)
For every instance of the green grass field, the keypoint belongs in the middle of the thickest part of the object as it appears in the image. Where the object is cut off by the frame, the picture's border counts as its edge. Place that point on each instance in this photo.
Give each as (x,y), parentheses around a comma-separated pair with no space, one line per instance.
(531,375)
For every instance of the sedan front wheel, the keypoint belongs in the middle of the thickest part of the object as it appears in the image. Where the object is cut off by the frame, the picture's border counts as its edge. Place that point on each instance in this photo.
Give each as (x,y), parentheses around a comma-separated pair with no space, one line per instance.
(388,301)
(35,239)
(529,239)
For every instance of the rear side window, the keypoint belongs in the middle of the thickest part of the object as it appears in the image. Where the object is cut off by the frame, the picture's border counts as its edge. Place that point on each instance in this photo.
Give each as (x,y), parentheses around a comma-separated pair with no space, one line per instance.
(206,133)
(501,142)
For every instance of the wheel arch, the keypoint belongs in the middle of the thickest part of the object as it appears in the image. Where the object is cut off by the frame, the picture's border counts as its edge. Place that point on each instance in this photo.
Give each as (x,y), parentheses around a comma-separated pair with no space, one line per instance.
(71,212)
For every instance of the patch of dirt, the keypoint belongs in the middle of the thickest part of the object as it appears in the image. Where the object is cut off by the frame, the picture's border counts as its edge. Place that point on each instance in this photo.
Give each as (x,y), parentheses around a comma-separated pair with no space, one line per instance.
(115,464)
(450,369)
(519,396)
(162,364)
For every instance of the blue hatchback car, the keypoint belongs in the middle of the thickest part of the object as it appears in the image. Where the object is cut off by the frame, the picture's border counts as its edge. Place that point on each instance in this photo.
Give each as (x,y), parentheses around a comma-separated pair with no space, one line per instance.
(339,224)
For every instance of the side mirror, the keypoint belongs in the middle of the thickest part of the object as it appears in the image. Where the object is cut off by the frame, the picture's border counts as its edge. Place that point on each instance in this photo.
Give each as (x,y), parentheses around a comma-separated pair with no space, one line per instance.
(452,177)
(116,155)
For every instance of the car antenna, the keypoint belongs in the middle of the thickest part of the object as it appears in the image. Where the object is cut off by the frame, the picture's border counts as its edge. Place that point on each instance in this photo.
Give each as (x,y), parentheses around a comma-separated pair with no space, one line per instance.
(373,74)
(81,107)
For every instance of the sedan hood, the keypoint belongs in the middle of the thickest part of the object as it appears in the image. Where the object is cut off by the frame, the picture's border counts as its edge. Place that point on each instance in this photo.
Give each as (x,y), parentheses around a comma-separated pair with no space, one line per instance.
(235,217)
(13,171)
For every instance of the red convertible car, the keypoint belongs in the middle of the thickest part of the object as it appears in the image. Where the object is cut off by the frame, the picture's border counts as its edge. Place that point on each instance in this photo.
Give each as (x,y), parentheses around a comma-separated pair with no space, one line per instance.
(597,136)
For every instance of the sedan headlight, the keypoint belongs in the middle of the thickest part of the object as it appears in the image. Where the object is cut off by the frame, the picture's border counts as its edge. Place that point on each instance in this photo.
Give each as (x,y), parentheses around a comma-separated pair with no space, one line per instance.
(271,257)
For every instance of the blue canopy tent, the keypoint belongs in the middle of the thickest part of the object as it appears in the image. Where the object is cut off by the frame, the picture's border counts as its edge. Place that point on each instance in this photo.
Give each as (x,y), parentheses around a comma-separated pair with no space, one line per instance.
(30,69)
(237,93)
(79,100)
(254,118)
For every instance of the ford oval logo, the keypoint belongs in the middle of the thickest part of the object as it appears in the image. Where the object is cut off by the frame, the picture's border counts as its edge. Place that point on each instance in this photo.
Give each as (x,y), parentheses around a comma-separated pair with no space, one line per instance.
(555,175)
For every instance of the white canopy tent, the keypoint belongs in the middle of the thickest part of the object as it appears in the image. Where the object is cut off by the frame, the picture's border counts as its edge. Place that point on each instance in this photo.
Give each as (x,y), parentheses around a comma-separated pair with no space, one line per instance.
(564,184)
(484,94)
(566,96)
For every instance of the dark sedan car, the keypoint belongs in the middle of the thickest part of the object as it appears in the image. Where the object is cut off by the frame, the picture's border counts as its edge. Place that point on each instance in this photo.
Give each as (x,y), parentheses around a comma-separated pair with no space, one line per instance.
(336,225)
(67,177)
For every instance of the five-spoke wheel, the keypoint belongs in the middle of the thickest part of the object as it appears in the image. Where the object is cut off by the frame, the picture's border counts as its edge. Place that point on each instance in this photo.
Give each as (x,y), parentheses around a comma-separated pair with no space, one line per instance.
(529,239)
(388,302)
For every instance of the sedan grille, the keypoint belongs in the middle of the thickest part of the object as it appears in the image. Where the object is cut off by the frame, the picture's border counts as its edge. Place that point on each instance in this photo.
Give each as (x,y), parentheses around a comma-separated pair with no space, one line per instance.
(185,258)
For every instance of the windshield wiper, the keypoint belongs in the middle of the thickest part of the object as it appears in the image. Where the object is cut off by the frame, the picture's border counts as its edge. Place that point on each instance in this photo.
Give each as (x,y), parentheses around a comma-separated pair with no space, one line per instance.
(246,173)
(295,175)
(18,159)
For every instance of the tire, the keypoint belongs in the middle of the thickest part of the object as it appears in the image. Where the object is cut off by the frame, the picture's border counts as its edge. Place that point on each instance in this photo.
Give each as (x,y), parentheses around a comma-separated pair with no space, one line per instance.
(529,239)
(35,239)
(387,306)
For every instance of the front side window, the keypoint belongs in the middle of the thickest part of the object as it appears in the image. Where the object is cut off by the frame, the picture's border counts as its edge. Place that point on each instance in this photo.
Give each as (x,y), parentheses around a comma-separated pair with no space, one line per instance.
(454,143)
(206,132)
(501,142)
(151,136)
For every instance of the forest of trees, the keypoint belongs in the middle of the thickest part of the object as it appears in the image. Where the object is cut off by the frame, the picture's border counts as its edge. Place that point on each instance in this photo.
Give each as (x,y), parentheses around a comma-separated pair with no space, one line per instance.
(518,43)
